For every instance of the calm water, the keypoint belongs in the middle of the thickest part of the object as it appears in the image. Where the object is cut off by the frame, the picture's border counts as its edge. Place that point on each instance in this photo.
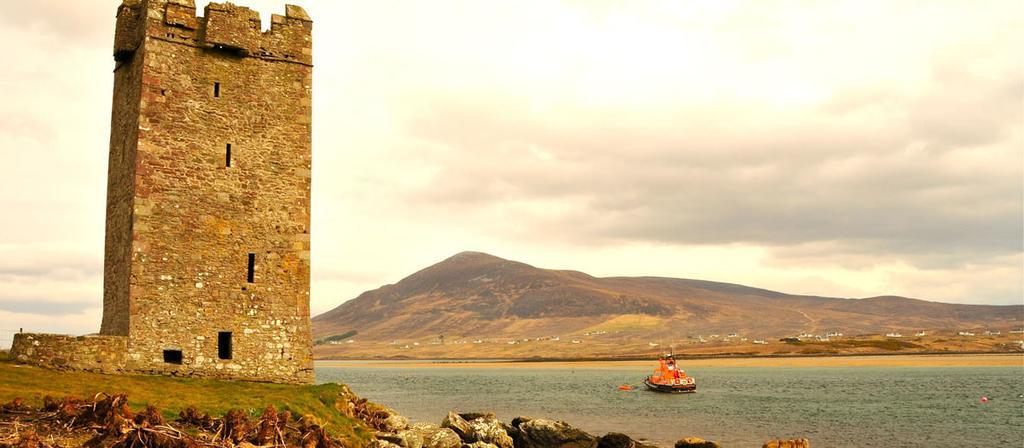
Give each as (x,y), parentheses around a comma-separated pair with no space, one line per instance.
(739,406)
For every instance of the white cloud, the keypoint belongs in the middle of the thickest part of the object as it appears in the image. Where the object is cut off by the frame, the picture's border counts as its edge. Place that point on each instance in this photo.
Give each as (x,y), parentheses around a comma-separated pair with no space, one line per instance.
(841,148)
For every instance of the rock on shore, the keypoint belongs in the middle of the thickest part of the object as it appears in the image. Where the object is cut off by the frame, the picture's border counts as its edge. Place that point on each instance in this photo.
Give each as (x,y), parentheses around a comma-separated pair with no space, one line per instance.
(696,442)
(542,433)
(795,443)
(484,430)
(479,428)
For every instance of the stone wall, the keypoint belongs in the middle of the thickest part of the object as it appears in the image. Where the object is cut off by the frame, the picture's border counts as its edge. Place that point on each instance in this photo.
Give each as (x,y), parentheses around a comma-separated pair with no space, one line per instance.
(208,198)
(201,209)
(124,126)
(98,353)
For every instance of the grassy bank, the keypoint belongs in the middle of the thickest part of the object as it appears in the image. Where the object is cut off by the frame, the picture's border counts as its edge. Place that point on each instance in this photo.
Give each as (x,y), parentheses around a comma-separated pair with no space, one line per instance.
(171,395)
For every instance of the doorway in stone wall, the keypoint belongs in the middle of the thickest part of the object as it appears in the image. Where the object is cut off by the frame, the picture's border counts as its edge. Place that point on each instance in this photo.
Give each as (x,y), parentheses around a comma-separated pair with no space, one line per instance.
(224,344)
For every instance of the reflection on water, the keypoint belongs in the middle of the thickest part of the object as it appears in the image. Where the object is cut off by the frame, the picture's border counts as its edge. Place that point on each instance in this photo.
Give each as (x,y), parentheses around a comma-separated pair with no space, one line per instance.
(739,406)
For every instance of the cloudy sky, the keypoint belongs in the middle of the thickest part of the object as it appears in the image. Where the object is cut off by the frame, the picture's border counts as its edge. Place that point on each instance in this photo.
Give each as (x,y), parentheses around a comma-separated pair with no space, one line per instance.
(846,149)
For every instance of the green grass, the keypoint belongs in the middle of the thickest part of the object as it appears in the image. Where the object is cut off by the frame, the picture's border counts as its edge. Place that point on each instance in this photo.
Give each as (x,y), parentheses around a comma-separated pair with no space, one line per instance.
(337,337)
(831,347)
(818,351)
(884,344)
(171,395)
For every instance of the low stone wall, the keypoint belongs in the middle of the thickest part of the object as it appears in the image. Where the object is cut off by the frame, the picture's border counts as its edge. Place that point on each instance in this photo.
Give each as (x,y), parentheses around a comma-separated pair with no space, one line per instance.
(115,354)
(103,354)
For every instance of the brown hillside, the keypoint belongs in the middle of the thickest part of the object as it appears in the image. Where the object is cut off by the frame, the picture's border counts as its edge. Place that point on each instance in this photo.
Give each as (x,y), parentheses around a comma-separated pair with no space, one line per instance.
(478,296)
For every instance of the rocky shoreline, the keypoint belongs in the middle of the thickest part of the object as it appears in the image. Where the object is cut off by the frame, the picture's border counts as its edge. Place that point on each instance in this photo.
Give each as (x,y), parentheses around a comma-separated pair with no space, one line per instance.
(484,430)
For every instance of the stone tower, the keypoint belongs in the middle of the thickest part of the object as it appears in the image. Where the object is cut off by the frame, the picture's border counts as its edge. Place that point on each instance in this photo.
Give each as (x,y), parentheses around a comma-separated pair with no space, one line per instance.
(207,261)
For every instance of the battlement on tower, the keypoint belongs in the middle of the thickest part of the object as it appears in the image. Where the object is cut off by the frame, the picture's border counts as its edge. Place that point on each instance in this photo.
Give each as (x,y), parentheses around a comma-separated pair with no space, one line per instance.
(207,251)
(222,27)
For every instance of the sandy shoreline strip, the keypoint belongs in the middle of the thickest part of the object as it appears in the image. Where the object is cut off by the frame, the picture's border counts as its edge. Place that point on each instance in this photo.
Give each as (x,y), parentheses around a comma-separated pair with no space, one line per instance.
(990,360)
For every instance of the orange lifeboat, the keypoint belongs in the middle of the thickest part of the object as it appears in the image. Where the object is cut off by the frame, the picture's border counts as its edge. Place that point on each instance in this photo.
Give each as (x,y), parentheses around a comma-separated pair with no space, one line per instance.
(669,378)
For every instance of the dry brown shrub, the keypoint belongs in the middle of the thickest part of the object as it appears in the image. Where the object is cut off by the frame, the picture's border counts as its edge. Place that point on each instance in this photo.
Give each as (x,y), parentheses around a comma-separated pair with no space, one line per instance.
(28,439)
(314,435)
(371,415)
(111,413)
(111,423)
(67,409)
(267,428)
(16,406)
(50,404)
(151,416)
(233,426)
(192,416)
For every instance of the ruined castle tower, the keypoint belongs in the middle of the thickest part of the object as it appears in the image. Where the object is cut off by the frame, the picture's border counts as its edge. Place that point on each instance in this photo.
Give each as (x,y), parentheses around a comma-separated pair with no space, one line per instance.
(208,198)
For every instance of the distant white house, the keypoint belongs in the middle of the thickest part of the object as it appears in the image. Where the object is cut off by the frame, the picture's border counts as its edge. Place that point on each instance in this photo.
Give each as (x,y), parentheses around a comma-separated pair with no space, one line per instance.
(834,334)
(821,338)
(992,333)
(652,344)
(1017,331)
(893,335)
(732,335)
(965,333)
(760,342)
(576,341)
(805,335)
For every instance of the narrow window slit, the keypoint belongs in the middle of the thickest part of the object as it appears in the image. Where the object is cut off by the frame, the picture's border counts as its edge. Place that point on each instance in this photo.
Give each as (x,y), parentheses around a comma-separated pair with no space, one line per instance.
(216,89)
(252,268)
(227,157)
(224,345)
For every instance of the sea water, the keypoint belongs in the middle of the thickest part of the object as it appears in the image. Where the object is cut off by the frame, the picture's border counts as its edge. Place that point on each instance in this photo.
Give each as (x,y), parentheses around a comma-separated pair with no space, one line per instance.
(738,406)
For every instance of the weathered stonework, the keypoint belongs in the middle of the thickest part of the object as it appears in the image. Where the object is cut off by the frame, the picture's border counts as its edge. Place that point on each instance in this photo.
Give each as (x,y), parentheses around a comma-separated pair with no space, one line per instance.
(210,159)
(96,353)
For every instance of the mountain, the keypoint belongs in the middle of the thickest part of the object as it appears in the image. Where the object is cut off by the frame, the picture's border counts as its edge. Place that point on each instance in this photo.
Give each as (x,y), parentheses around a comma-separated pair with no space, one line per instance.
(474,295)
